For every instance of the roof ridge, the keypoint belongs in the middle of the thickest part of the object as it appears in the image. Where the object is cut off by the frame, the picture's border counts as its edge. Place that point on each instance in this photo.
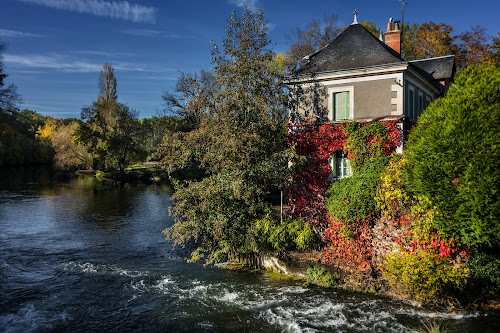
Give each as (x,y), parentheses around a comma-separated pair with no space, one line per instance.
(426,59)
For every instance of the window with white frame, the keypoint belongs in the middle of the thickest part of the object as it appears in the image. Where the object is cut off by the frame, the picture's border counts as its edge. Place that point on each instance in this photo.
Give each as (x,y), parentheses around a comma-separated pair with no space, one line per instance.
(341,100)
(340,165)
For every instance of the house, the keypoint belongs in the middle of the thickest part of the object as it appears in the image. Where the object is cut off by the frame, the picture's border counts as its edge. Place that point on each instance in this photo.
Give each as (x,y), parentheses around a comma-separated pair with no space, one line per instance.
(359,77)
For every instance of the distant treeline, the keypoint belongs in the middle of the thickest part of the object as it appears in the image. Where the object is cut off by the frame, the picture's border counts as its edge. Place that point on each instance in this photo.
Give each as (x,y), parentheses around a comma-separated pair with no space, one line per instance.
(28,138)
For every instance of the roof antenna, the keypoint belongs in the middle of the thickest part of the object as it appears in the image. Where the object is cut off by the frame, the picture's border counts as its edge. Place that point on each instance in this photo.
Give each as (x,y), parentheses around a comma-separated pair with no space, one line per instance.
(355,17)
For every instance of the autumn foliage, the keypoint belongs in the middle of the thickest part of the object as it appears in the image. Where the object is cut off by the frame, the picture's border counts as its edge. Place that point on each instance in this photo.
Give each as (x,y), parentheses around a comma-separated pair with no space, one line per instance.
(347,241)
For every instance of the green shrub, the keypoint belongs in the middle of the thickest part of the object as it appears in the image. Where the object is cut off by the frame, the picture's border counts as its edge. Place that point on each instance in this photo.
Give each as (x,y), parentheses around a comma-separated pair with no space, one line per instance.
(271,235)
(365,141)
(424,275)
(351,199)
(319,277)
(485,275)
(454,157)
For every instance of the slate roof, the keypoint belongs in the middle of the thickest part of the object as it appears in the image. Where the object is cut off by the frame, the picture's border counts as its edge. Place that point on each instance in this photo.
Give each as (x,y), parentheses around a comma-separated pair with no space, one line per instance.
(439,68)
(355,47)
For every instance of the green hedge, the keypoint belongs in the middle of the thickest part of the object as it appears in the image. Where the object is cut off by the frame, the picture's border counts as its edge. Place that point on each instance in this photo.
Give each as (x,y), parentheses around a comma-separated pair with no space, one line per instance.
(454,155)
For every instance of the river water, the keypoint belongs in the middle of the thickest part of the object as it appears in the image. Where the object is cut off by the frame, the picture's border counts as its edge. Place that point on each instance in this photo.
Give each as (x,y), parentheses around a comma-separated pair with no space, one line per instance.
(76,256)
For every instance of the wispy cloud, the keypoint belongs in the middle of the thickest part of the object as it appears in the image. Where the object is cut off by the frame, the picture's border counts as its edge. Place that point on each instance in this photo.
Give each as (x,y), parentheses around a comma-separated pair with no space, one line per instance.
(250,4)
(65,64)
(13,33)
(104,53)
(151,33)
(114,9)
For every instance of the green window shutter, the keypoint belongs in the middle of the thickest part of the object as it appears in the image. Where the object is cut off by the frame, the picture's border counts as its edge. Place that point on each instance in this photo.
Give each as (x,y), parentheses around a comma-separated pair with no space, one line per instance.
(346,94)
(336,106)
(334,165)
(341,106)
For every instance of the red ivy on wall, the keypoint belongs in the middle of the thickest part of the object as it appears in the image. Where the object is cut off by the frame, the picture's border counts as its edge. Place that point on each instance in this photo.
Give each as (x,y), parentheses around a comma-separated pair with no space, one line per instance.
(314,145)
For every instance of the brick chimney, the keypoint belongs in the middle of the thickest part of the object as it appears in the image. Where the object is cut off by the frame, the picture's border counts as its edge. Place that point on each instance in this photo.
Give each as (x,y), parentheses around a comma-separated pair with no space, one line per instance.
(393,36)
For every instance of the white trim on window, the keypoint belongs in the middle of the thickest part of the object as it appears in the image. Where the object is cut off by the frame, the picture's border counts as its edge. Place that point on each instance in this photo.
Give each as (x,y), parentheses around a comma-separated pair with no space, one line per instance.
(331,91)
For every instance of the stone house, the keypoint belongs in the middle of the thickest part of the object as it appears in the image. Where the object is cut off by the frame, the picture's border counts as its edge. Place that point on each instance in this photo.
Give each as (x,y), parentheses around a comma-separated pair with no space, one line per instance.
(359,77)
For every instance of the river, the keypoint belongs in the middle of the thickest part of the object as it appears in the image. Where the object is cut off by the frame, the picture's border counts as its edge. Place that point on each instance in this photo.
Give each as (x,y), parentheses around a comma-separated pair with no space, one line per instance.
(79,257)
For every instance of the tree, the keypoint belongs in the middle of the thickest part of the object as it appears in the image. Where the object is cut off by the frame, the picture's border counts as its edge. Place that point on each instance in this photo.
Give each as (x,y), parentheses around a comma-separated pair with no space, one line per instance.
(9,97)
(315,35)
(155,130)
(474,48)
(434,40)
(110,128)
(371,27)
(454,158)
(107,85)
(192,99)
(495,55)
(68,154)
(239,147)
(409,42)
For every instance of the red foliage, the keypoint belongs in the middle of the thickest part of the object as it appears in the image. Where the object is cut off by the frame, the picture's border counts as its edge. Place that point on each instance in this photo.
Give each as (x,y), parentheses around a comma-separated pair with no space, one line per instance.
(436,244)
(317,143)
(351,253)
(307,190)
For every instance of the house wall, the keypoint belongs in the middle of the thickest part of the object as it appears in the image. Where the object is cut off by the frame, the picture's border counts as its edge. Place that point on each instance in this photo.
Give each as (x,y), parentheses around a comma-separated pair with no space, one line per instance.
(371,97)
(308,102)
(419,88)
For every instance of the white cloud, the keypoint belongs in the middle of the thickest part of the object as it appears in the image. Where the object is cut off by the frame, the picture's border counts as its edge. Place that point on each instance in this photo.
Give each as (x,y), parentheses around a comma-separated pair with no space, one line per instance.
(151,33)
(13,33)
(64,64)
(104,53)
(114,9)
(250,4)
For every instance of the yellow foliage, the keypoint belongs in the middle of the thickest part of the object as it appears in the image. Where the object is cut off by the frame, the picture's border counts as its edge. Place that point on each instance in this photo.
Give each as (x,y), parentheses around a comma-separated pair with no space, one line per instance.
(391,196)
(279,63)
(46,132)
(423,275)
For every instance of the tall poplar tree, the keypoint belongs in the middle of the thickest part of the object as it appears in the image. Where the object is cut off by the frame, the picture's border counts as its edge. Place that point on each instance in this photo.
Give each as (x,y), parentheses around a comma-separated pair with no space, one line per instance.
(110,128)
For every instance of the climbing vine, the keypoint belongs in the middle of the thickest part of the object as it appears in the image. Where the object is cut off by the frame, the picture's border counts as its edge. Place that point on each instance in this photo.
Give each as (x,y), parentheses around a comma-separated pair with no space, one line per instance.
(313,144)
(345,222)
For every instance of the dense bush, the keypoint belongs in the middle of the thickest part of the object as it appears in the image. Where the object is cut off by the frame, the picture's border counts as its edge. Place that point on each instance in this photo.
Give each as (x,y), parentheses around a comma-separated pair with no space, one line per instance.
(391,197)
(484,279)
(319,277)
(454,157)
(351,199)
(271,235)
(424,276)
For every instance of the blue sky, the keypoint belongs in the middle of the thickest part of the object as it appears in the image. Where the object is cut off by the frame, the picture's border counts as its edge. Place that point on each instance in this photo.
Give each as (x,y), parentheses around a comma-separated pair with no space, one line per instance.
(56,48)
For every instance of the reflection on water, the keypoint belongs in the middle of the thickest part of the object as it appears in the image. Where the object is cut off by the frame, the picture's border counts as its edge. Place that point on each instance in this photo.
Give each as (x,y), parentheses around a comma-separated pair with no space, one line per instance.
(76,255)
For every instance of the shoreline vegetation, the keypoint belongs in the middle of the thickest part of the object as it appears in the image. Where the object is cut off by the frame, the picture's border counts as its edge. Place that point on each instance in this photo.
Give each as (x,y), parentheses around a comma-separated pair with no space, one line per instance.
(422,226)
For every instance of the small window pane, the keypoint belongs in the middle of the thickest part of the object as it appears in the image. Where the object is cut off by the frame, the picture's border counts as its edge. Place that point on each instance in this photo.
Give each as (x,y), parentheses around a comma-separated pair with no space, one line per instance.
(420,104)
(411,103)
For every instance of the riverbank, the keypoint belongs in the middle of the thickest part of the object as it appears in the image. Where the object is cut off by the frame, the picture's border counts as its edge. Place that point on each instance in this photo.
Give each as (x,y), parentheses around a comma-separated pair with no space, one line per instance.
(295,265)
(147,173)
